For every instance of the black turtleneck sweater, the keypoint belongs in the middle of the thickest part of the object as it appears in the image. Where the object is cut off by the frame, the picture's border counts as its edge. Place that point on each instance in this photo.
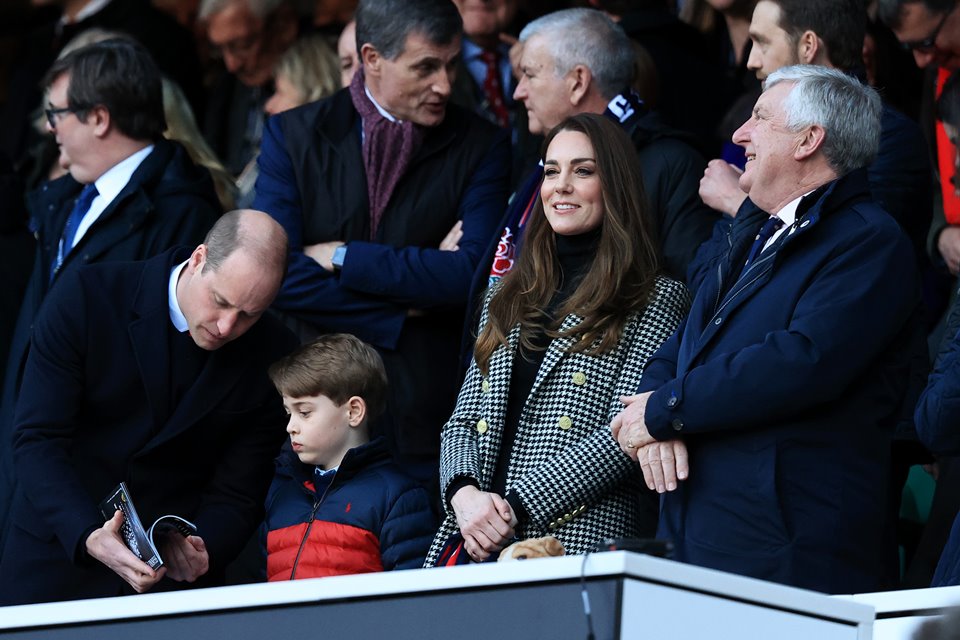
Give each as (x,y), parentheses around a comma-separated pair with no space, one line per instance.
(575,255)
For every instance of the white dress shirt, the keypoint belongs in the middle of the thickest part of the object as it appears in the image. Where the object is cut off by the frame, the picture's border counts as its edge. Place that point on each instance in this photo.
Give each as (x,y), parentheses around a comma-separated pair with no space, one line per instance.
(109,186)
(176,315)
(789,215)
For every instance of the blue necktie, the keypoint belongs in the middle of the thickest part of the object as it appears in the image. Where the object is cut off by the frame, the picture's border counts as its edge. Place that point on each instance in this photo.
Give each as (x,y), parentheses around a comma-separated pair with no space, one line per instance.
(84,200)
(769,227)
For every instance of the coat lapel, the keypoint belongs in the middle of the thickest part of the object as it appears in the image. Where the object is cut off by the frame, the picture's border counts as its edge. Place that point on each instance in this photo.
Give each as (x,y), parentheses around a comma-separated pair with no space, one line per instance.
(125,215)
(435,141)
(50,205)
(219,375)
(557,349)
(759,273)
(149,335)
(501,369)
(341,131)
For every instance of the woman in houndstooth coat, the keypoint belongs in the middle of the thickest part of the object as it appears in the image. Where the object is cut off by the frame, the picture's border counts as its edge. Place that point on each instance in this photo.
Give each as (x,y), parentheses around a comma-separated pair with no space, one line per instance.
(528,451)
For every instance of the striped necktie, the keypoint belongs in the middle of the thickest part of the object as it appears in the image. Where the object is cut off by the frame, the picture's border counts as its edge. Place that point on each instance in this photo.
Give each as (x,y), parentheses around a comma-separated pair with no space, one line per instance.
(769,227)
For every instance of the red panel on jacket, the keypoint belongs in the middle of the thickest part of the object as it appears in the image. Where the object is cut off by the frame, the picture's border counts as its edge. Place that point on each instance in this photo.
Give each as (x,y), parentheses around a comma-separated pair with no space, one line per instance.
(331,550)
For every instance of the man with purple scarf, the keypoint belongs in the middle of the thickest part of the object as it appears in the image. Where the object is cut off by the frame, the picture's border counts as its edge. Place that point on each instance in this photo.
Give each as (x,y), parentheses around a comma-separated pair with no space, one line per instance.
(367,184)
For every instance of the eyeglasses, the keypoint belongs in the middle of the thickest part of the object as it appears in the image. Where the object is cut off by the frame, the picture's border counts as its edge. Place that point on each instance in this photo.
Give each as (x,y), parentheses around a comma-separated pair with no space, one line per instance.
(927,44)
(53,113)
(239,47)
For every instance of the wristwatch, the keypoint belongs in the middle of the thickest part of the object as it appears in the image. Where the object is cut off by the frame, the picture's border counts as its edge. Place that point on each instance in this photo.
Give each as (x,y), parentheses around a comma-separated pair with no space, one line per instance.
(338,255)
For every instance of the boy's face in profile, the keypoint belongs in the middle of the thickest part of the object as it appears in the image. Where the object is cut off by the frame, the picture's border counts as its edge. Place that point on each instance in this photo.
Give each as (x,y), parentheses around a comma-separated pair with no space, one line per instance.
(320,431)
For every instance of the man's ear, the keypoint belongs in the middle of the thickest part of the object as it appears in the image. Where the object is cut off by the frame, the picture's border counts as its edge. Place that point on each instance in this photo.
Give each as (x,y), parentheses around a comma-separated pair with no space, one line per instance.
(99,117)
(197,259)
(371,59)
(356,411)
(579,81)
(809,142)
(810,48)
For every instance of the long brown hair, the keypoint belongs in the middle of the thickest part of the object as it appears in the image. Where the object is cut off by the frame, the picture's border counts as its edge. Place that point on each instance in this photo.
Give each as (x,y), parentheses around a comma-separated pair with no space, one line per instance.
(619,280)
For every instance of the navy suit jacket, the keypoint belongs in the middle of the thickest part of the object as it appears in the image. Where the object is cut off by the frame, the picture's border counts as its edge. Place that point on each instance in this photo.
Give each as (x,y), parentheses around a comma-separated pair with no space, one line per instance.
(786,384)
(95,409)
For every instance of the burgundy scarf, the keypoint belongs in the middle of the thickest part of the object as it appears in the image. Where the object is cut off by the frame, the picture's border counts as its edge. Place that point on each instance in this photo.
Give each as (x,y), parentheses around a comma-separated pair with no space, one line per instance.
(388,148)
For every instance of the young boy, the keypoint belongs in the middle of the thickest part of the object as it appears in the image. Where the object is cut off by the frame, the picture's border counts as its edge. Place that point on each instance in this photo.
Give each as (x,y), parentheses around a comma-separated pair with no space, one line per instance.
(338,505)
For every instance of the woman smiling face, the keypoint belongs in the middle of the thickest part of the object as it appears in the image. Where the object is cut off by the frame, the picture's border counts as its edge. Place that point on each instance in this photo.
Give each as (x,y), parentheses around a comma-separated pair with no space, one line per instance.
(571,191)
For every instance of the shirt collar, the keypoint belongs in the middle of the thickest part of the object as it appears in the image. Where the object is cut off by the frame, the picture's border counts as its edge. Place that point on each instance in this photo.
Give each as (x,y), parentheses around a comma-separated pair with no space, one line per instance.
(382,111)
(470,49)
(116,177)
(789,211)
(176,315)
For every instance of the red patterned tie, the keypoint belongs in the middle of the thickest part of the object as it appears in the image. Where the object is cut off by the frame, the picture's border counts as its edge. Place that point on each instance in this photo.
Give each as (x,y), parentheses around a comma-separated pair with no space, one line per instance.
(493,89)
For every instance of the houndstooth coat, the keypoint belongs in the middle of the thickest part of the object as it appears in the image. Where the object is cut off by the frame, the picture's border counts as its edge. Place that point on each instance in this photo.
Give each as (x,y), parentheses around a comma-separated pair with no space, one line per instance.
(571,475)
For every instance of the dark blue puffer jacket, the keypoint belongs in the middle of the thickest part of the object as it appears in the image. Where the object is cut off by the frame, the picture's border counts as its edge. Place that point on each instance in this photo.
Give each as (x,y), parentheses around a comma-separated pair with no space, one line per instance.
(370,518)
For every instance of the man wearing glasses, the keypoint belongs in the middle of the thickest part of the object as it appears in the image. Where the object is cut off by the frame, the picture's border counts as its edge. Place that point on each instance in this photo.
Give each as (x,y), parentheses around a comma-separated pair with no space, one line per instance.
(928,28)
(931,30)
(130,194)
(249,36)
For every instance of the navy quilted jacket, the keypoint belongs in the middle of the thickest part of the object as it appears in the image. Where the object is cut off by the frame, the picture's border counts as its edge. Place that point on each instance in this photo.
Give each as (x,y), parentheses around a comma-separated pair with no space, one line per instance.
(370,518)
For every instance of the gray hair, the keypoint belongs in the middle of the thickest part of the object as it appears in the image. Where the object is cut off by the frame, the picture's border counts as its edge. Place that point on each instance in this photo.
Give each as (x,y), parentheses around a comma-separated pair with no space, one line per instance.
(590,38)
(259,8)
(848,111)
(385,24)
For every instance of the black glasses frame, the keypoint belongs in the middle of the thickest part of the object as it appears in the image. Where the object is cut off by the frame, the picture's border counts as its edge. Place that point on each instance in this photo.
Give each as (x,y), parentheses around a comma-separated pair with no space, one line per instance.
(53,113)
(928,43)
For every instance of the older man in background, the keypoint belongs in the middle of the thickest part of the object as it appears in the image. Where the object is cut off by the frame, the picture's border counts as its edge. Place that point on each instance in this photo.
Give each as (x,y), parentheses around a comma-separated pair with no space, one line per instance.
(592,73)
(249,36)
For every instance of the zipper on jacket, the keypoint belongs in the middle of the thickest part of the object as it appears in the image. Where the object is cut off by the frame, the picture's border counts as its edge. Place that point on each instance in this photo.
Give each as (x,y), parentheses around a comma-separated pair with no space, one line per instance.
(306,534)
(719,286)
(720,271)
(739,289)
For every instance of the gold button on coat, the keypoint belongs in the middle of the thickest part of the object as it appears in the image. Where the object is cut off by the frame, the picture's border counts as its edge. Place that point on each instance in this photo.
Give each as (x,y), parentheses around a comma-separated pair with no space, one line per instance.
(579,378)
(564,422)
(481,427)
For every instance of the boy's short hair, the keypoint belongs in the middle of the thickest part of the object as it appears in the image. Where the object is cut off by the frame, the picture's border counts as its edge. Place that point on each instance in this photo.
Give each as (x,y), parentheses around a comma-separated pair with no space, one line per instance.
(338,366)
